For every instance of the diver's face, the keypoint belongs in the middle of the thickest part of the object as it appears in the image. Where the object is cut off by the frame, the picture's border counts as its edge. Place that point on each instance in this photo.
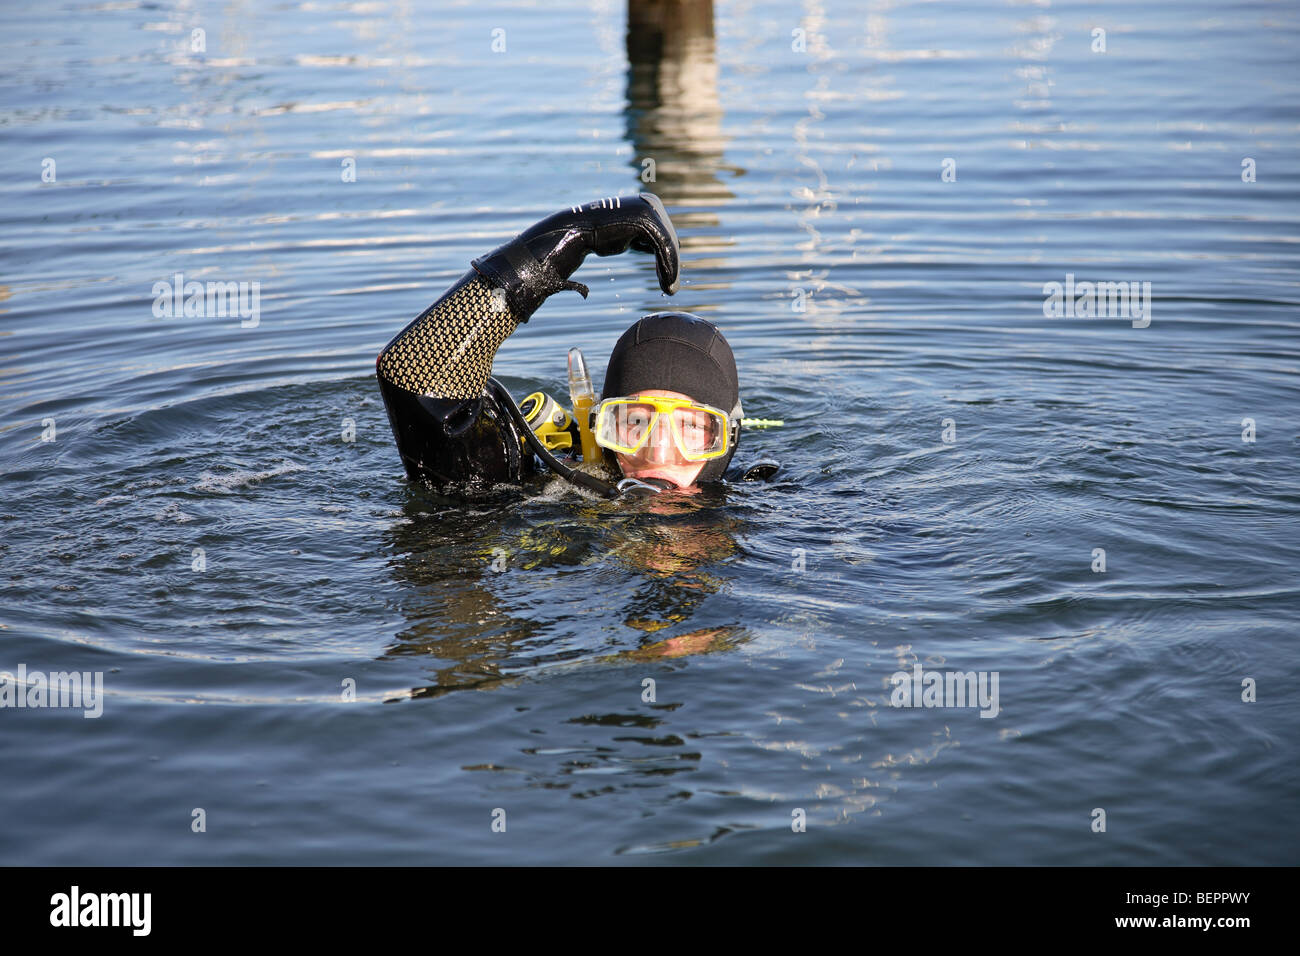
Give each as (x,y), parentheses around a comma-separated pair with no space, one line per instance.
(661,458)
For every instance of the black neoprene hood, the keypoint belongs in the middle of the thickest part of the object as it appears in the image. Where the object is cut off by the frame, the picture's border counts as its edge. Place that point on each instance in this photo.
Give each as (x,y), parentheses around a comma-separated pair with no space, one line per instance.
(679,352)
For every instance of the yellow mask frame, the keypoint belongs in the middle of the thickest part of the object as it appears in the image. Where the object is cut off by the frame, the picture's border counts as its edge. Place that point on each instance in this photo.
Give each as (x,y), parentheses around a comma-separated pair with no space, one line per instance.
(604,425)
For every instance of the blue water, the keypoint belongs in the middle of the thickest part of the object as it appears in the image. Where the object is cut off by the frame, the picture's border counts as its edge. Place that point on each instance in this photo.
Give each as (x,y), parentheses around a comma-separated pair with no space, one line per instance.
(201,531)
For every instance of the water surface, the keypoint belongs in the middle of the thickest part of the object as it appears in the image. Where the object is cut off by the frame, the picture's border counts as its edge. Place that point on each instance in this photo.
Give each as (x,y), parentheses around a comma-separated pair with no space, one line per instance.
(953,458)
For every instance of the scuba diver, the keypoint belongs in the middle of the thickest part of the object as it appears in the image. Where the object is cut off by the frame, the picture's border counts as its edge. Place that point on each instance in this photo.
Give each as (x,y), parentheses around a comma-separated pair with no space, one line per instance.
(669,413)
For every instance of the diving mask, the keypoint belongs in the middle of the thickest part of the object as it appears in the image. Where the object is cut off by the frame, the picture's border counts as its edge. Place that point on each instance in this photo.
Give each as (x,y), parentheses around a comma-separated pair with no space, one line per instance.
(659,429)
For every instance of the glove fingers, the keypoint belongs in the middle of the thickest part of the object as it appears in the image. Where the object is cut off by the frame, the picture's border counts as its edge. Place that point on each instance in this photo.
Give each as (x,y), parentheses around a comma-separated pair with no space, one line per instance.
(656,234)
(638,222)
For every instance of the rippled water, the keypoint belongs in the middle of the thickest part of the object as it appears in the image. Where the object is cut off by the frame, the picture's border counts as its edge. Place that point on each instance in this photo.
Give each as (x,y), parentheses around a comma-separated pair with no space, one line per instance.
(869,302)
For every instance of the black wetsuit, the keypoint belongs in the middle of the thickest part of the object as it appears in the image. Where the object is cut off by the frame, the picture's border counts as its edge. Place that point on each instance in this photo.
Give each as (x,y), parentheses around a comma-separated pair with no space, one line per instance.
(450,428)
(448,417)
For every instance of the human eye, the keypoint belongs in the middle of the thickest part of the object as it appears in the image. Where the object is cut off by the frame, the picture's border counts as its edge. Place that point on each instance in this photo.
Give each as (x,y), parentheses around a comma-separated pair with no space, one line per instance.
(636,418)
(697,430)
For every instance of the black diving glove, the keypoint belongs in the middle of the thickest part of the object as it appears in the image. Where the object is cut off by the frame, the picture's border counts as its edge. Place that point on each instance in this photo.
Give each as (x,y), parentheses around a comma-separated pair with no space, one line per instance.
(538,262)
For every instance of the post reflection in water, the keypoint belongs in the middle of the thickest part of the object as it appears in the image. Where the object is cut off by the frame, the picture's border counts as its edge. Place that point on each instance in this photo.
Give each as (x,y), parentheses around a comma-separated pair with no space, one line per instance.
(674,118)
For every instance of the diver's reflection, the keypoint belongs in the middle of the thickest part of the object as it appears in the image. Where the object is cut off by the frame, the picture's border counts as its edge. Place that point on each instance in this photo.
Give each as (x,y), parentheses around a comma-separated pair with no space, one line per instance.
(495,590)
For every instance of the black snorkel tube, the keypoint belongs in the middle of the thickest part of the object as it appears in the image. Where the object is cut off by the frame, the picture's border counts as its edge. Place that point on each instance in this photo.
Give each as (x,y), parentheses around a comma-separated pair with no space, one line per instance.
(627,486)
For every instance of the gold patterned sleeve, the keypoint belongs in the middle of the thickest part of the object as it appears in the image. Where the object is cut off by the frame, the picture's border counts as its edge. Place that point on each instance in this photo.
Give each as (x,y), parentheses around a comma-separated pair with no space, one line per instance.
(447,352)
(449,428)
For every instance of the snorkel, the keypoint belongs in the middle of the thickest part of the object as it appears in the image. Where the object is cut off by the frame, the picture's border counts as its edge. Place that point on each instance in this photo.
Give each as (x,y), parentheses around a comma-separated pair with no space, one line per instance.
(583,396)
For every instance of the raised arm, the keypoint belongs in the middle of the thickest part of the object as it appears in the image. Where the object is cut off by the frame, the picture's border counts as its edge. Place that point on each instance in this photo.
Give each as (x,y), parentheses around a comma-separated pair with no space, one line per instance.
(433,375)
